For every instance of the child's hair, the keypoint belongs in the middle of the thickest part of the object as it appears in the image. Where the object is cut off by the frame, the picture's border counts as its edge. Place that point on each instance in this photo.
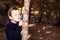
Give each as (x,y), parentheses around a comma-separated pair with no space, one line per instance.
(12,8)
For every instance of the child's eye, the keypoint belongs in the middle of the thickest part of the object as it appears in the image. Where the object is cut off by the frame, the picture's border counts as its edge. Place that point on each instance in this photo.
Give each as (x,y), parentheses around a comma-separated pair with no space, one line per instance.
(15,14)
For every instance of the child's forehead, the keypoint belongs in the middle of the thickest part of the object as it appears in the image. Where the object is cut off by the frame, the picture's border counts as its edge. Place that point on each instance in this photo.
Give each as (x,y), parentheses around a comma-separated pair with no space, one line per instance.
(15,11)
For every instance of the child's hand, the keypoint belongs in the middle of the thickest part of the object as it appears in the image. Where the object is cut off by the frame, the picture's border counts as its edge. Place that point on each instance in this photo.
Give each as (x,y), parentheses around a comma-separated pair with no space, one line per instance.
(20,23)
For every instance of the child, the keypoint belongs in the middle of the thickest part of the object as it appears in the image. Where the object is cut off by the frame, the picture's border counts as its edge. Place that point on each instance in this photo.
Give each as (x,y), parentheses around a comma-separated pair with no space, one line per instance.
(13,26)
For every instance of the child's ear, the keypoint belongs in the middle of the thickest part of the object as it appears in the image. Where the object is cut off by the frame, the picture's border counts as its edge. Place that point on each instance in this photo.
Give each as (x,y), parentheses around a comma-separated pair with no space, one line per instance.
(10,17)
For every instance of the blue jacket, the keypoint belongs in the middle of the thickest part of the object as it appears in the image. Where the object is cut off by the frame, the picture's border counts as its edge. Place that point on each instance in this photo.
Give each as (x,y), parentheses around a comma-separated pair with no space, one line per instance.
(13,31)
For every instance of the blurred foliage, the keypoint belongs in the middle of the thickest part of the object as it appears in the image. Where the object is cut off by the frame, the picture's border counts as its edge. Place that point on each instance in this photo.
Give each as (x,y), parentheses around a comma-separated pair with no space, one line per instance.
(49,11)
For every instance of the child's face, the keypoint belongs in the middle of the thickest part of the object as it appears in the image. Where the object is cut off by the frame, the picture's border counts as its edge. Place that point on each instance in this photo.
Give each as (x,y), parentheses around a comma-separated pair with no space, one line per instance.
(15,15)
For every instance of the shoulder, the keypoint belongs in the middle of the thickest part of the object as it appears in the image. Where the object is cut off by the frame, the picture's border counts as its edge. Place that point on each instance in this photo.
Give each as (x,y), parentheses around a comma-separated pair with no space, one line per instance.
(8,24)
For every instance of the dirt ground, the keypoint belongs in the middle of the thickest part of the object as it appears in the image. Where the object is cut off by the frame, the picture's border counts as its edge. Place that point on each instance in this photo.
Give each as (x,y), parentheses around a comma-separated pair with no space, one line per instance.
(44,32)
